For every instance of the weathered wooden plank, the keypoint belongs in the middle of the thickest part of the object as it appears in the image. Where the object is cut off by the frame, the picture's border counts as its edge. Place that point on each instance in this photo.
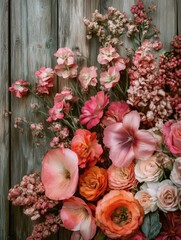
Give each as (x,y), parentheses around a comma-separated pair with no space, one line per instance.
(179,17)
(33,42)
(4,122)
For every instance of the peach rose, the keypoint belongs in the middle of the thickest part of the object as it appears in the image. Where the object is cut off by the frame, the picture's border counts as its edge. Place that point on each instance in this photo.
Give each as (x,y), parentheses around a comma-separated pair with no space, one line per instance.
(119,214)
(93,183)
(167,195)
(148,170)
(121,178)
(172,136)
(175,175)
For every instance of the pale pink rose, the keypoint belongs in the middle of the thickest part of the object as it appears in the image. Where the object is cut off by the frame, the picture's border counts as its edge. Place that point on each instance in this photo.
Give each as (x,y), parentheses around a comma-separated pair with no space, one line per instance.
(175,175)
(19,88)
(65,56)
(148,170)
(127,142)
(46,77)
(106,55)
(58,111)
(157,45)
(88,77)
(109,78)
(115,113)
(64,95)
(172,136)
(167,195)
(122,178)
(60,173)
(66,71)
(92,111)
(77,216)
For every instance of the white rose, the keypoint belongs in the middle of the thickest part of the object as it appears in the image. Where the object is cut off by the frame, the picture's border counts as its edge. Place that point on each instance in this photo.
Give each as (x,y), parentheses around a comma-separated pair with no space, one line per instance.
(167,195)
(175,175)
(148,170)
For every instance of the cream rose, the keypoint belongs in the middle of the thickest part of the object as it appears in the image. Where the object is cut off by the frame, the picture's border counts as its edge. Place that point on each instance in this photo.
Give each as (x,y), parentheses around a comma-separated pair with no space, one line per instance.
(175,175)
(148,170)
(167,195)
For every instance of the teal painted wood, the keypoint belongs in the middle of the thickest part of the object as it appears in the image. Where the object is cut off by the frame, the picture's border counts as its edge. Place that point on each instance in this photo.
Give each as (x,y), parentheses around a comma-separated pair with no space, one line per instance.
(4,122)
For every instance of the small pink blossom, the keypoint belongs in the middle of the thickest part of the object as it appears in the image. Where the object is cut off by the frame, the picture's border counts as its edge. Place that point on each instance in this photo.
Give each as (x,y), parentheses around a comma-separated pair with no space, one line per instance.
(88,77)
(127,142)
(106,55)
(92,111)
(66,71)
(115,113)
(19,88)
(65,56)
(64,95)
(157,45)
(60,173)
(46,76)
(109,78)
(120,63)
(77,216)
(58,111)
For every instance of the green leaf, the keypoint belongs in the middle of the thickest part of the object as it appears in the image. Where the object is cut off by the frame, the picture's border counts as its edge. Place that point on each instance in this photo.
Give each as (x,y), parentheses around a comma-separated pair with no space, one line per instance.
(151,225)
(100,236)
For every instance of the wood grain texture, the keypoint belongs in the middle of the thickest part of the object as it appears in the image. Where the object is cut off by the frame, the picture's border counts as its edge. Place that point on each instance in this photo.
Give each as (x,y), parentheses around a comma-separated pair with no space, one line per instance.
(4,122)
(178,17)
(33,42)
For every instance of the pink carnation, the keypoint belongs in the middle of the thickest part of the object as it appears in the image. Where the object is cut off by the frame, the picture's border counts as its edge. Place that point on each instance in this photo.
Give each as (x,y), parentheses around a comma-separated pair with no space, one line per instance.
(106,55)
(66,71)
(58,111)
(92,111)
(109,78)
(126,142)
(46,76)
(65,56)
(19,88)
(64,95)
(88,77)
(60,173)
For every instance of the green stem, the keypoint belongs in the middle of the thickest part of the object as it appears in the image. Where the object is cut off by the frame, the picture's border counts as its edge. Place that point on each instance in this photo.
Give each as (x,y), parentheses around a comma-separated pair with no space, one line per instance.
(39,98)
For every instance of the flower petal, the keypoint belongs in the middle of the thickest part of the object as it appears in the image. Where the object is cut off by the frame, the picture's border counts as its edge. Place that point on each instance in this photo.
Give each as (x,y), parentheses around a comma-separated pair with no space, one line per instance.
(132,120)
(112,135)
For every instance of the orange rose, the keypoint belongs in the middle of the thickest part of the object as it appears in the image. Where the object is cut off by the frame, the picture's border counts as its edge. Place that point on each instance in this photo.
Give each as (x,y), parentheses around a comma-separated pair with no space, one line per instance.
(119,214)
(93,183)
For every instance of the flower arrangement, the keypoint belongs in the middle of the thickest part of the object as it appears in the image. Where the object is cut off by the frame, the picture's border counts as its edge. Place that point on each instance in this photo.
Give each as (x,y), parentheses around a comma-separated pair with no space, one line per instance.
(113,170)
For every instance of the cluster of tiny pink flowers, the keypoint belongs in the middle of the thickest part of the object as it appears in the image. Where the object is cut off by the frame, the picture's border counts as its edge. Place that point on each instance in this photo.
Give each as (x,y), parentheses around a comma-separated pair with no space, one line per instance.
(139,13)
(143,93)
(30,194)
(61,136)
(42,230)
(37,130)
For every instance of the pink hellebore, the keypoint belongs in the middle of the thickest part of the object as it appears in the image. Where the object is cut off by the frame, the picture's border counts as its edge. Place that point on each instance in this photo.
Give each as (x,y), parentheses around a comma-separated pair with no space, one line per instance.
(88,77)
(92,111)
(19,88)
(110,78)
(77,216)
(60,173)
(65,56)
(106,55)
(127,142)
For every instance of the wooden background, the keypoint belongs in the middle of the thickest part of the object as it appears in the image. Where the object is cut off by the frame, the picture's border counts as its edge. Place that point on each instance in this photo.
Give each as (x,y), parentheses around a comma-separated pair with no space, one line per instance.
(31,31)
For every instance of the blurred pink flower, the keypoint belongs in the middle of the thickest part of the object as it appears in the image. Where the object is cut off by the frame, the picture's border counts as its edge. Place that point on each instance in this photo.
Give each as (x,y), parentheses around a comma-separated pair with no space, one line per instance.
(19,88)
(115,113)
(46,77)
(58,111)
(88,77)
(107,54)
(109,78)
(157,45)
(66,71)
(77,216)
(92,111)
(60,173)
(65,56)
(126,142)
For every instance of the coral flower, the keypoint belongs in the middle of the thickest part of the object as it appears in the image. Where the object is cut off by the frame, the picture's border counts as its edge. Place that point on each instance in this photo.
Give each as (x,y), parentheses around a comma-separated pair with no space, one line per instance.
(93,183)
(126,142)
(85,144)
(92,111)
(77,216)
(60,173)
(119,214)
(19,88)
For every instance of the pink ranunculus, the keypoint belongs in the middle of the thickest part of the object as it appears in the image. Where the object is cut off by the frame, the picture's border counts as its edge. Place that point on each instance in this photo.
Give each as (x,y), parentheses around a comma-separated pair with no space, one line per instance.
(115,113)
(109,78)
(127,142)
(19,88)
(172,136)
(66,71)
(77,216)
(60,173)
(58,111)
(92,111)
(88,77)
(65,56)
(107,54)
(46,77)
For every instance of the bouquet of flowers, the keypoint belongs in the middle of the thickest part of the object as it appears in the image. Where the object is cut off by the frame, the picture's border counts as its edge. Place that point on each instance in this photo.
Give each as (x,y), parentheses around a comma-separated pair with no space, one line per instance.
(113,170)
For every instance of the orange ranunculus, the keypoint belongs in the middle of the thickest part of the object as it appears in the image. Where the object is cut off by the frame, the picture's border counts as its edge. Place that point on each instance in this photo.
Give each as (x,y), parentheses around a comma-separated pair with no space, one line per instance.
(119,214)
(87,148)
(93,183)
